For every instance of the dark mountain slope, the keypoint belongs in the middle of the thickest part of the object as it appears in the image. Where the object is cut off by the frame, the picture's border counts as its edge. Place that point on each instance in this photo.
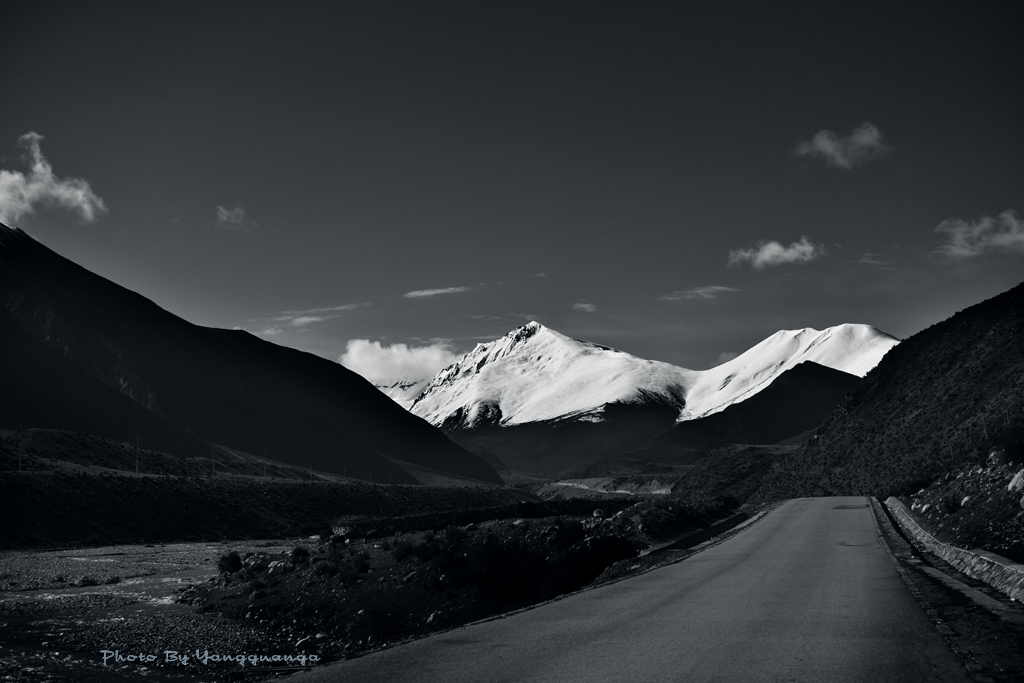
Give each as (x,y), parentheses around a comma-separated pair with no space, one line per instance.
(798,400)
(636,435)
(935,403)
(80,352)
(568,447)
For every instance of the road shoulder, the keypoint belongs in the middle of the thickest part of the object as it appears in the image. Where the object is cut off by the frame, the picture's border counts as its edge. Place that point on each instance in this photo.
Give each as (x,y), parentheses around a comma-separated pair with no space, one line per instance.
(991,648)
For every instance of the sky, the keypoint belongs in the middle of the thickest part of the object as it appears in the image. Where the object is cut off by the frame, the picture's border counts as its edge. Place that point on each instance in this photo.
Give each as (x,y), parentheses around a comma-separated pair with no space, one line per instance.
(394,182)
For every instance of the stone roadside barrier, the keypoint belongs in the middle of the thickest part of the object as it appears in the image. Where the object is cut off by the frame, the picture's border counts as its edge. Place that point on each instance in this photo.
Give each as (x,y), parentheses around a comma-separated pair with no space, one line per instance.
(998,572)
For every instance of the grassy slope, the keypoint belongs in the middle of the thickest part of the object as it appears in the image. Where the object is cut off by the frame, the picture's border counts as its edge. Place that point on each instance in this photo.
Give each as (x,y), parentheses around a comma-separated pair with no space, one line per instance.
(937,402)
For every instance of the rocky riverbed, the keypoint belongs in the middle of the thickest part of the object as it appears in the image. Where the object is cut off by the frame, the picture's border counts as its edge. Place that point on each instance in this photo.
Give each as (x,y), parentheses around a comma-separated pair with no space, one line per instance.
(61,610)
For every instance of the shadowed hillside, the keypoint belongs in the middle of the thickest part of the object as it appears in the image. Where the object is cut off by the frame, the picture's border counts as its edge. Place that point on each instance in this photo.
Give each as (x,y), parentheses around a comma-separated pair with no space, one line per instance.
(568,448)
(937,402)
(79,352)
(798,400)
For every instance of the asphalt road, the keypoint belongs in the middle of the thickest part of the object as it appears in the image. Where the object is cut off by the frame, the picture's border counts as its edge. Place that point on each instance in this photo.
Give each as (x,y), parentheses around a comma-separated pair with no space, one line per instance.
(806,594)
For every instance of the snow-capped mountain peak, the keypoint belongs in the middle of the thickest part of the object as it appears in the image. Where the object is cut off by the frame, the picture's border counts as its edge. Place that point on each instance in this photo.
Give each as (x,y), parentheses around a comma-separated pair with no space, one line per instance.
(404,391)
(850,348)
(535,374)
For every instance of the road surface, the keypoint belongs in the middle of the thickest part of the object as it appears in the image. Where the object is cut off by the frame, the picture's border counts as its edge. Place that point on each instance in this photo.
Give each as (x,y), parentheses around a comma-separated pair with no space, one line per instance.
(806,594)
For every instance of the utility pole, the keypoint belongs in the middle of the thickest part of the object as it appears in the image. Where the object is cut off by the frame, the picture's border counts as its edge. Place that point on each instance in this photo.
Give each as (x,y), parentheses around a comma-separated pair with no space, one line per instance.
(136,454)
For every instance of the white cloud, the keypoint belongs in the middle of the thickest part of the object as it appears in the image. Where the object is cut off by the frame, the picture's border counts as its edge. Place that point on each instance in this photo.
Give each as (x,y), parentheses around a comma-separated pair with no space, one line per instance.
(234,220)
(870,259)
(20,194)
(419,293)
(539,275)
(304,320)
(585,307)
(863,144)
(328,309)
(269,332)
(379,363)
(770,253)
(726,356)
(1005,232)
(314,315)
(707,292)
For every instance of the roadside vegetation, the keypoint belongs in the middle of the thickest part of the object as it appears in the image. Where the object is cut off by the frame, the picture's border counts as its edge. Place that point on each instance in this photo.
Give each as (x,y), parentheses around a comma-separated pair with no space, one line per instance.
(347,593)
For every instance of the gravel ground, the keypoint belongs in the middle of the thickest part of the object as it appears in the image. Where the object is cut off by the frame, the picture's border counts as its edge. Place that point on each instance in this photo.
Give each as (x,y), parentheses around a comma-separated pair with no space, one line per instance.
(60,609)
(974,508)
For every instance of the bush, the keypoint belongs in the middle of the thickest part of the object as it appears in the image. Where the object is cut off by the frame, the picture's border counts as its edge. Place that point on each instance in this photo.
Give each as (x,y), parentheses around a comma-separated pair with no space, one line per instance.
(568,533)
(385,616)
(455,535)
(402,550)
(950,503)
(427,550)
(326,568)
(230,563)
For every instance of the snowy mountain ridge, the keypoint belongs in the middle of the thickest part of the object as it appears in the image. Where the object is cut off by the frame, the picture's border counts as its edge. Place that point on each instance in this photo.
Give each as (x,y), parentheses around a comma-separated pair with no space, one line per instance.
(535,374)
(850,348)
(404,392)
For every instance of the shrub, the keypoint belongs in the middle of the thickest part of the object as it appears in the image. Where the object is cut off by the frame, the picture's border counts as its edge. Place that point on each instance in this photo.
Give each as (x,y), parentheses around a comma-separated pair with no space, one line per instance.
(427,550)
(950,503)
(326,568)
(385,616)
(229,563)
(455,535)
(568,533)
(402,550)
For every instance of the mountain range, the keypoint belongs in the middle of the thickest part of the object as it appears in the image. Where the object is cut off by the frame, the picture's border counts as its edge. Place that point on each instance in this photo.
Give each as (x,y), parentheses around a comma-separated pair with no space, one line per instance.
(78,352)
(539,402)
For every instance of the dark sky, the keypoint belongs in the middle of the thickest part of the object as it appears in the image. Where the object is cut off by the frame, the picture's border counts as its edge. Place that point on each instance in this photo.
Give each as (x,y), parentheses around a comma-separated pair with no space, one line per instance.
(617,172)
